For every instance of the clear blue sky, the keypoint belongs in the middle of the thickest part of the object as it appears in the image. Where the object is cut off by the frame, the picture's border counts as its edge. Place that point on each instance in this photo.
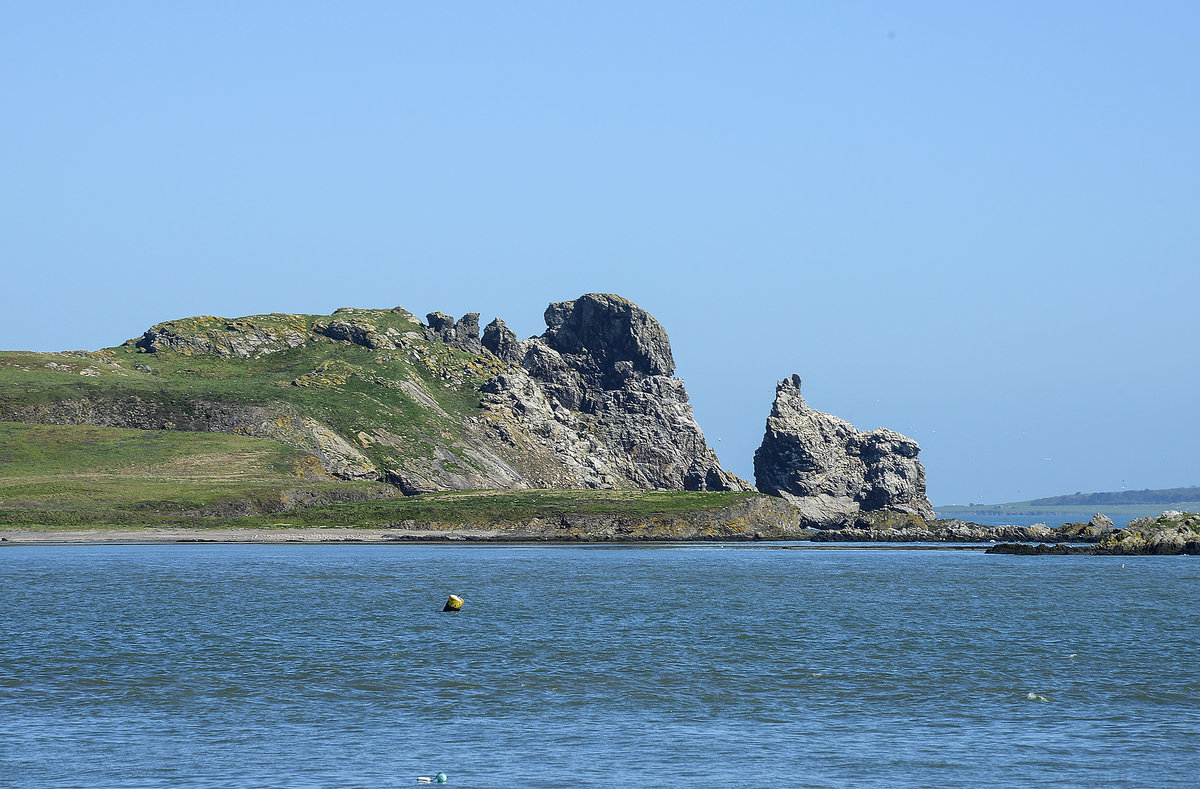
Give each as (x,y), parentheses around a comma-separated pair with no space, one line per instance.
(974,223)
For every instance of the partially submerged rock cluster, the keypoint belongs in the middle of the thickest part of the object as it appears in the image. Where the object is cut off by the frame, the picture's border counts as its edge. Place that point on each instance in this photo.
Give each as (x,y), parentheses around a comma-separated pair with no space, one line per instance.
(1171,533)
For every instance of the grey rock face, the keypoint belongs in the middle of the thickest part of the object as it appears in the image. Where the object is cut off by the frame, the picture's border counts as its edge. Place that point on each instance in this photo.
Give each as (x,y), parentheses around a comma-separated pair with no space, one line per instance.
(500,340)
(226,338)
(462,334)
(596,386)
(830,470)
(610,337)
(1101,524)
(354,331)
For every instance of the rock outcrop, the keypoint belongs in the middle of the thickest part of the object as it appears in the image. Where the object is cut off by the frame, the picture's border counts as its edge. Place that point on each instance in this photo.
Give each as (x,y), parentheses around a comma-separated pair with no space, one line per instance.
(833,472)
(462,334)
(1097,527)
(885,526)
(230,338)
(1173,532)
(597,386)
(501,341)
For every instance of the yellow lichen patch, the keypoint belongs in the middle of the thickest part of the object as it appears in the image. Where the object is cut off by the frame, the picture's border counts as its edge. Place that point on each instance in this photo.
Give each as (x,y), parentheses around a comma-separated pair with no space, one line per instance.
(309,467)
(334,372)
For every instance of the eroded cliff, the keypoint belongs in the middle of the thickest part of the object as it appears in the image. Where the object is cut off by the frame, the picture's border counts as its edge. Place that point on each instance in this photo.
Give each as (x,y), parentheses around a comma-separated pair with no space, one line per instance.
(381,395)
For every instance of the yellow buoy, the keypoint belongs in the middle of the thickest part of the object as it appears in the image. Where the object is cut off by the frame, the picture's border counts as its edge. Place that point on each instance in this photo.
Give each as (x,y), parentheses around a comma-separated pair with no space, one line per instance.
(453,604)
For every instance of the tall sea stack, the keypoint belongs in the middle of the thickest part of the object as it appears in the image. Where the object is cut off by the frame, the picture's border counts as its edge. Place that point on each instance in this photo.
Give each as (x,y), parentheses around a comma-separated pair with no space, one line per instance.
(832,471)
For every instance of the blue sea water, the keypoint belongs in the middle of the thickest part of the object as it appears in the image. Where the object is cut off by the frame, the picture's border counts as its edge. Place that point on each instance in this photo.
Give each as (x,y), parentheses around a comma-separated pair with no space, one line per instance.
(1010,519)
(676,666)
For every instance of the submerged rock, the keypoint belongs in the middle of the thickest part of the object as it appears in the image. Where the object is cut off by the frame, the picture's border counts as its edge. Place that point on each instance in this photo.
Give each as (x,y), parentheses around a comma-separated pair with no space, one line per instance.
(830,470)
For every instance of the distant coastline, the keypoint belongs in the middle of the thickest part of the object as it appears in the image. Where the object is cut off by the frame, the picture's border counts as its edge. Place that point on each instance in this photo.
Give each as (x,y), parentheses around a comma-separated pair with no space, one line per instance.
(1122,506)
(1054,516)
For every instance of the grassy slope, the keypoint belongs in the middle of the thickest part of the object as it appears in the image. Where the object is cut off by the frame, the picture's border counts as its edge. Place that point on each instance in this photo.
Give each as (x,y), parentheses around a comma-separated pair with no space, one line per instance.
(1118,502)
(54,476)
(1165,496)
(345,386)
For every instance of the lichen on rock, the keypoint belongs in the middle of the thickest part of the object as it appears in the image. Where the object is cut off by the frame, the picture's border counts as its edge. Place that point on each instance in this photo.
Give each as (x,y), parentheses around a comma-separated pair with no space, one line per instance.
(244,338)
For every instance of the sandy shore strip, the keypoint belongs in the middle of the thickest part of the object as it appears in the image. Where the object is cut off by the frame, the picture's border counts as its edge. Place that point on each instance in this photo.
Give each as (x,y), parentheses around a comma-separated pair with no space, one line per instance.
(16,538)
(136,536)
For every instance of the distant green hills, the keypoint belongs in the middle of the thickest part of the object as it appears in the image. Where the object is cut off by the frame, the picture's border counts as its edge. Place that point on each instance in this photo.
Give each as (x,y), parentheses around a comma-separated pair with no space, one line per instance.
(1120,505)
(1165,496)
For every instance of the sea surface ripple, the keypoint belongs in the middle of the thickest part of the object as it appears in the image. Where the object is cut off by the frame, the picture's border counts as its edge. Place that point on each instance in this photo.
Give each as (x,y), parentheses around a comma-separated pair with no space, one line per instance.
(213,666)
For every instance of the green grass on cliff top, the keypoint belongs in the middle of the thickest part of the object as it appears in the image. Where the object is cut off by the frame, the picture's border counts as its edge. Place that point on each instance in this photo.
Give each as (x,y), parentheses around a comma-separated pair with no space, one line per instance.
(346,386)
(71,477)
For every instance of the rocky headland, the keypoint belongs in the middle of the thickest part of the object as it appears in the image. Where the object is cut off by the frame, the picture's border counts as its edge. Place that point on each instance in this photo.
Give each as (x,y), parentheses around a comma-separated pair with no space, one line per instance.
(378,395)
(380,406)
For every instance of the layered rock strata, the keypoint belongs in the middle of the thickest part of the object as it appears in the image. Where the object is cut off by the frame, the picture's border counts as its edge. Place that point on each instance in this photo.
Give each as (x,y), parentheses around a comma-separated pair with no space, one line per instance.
(832,471)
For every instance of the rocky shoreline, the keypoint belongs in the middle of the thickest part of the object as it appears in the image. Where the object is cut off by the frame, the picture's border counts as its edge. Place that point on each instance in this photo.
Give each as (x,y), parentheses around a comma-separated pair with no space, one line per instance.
(757,519)
(1171,534)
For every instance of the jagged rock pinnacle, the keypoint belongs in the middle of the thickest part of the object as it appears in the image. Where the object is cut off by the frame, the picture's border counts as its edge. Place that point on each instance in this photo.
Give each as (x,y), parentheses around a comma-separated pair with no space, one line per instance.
(830,470)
